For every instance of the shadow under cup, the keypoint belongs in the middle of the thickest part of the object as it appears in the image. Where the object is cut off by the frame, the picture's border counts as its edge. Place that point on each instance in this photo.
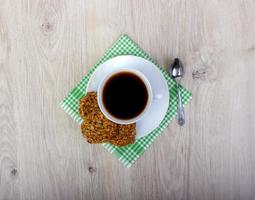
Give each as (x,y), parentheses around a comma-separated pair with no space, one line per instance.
(124,96)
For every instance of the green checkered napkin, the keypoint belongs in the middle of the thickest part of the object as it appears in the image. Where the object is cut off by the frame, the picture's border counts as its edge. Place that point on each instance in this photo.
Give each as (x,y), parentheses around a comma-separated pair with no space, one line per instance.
(128,154)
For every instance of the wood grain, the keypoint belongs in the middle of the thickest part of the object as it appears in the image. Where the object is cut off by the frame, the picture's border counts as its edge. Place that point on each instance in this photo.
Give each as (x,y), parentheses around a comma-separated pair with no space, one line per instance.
(46,46)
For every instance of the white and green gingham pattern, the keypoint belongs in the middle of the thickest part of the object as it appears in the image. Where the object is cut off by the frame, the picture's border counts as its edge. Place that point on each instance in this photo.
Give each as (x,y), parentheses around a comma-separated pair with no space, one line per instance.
(128,154)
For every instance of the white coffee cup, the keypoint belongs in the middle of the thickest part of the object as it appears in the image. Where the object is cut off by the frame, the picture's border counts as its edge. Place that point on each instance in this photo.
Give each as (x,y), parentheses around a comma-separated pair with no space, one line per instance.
(106,112)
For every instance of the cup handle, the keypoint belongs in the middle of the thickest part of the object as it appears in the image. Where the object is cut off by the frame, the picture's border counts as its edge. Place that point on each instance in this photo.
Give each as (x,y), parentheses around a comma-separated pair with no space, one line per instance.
(157,96)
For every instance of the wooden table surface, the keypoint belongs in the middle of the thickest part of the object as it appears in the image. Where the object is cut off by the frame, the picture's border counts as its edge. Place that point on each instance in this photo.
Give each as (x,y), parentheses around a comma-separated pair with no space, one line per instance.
(47,46)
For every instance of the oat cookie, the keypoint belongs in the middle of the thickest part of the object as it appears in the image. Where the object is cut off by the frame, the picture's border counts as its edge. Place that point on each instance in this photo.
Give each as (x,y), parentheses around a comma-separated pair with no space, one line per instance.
(88,105)
(126,135)
(96,128)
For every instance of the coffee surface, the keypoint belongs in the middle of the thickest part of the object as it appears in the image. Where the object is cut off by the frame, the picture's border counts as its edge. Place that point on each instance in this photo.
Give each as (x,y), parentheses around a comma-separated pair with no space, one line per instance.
(125,95)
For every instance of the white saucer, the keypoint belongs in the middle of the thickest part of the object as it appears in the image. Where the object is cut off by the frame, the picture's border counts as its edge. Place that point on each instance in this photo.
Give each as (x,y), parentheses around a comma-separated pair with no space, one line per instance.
(158,83)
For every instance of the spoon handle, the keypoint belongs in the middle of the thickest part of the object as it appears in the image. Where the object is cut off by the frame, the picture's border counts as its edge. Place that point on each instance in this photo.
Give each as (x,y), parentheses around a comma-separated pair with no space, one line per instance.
(180,111)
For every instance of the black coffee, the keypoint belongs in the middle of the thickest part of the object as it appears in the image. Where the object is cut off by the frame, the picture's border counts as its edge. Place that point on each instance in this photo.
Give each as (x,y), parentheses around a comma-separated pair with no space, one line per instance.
(125,95)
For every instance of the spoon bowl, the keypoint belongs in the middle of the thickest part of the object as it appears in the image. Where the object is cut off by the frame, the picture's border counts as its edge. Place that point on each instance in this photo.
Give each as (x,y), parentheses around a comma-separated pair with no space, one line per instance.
(176,69)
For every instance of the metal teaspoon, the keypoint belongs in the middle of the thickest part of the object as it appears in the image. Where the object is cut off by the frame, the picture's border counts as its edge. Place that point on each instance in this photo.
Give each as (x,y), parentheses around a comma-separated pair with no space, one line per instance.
(176,72)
